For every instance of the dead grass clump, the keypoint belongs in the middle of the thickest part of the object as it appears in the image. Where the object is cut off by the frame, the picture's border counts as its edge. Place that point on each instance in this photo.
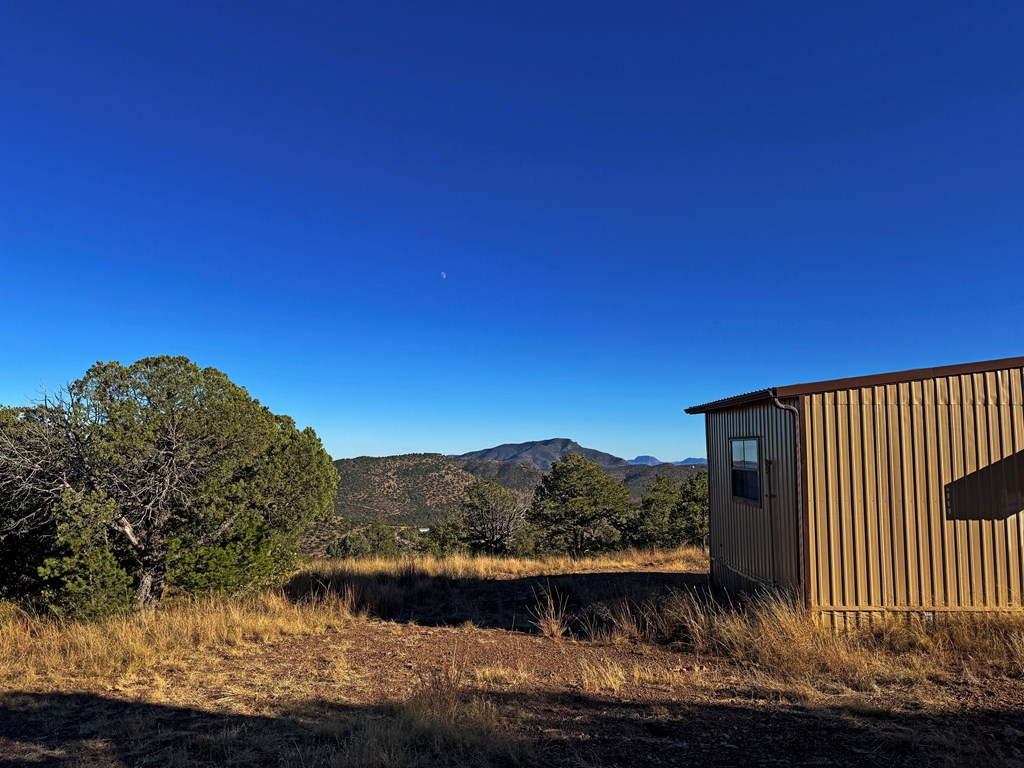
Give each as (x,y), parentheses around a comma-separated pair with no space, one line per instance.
(549,614)
(979,644)
(55,651)
(774,635)
(769,635)
(602,677)
(611,677)
(500,675)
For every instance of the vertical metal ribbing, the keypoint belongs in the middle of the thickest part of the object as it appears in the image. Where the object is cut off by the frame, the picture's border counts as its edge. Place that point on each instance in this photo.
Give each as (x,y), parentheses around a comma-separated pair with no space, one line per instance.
(879,461)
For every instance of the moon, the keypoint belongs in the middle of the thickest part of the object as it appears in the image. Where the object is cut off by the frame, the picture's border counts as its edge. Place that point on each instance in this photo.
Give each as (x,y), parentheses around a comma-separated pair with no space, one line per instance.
(444,276)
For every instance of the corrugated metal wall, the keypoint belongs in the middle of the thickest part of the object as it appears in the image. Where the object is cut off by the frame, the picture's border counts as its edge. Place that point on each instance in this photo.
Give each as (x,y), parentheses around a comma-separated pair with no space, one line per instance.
(753,546)
(914,494)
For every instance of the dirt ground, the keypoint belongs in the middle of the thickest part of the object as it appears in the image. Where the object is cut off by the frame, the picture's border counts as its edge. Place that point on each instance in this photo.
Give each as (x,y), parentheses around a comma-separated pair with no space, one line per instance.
(320,700)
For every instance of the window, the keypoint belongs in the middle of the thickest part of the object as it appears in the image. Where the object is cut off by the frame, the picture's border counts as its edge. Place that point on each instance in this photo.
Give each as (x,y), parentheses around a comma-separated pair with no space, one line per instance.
(746,469)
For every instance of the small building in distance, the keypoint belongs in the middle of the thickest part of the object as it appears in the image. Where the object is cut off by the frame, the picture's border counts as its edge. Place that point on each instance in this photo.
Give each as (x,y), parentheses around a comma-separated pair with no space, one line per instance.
(894,492)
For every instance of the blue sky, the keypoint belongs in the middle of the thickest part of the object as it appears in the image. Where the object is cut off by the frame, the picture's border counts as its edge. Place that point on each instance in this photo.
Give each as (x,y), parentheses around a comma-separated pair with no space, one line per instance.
(638,206)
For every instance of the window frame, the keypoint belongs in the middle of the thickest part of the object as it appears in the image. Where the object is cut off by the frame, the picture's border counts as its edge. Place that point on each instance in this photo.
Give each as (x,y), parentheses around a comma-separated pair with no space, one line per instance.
(759,503)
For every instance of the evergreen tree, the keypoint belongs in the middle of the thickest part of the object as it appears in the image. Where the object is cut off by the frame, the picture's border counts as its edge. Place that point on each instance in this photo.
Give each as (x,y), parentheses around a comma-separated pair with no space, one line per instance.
(448,536)
(495,517)
(151,474)
(690,520)
(653,524)
(578,508)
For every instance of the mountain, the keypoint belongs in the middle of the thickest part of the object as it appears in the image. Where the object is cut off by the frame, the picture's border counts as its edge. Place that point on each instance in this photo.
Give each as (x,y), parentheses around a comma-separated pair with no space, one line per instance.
(691,463)
(543,453)
(649,461)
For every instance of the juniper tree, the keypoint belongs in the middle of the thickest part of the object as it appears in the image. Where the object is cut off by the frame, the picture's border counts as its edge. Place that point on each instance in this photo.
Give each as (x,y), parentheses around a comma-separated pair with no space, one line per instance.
(159,470)
(494,517)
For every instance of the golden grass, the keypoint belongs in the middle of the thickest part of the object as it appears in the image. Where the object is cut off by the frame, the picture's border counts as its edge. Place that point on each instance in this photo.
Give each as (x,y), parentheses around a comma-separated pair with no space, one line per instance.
(611,676)
(37,650)
(460,566)
(499,675)
(549,614)
(772,637)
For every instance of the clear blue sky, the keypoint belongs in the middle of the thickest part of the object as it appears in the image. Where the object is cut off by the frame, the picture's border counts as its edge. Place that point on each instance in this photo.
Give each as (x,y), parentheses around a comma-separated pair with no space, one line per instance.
(638,206)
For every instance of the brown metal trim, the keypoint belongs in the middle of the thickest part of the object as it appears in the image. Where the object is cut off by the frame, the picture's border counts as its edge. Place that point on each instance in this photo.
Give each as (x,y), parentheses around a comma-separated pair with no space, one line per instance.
(728,402)
(856,382)
(899,377)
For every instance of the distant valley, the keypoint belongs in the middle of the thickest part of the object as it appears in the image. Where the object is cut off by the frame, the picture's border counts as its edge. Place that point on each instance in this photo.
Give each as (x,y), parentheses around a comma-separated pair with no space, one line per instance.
(418,488)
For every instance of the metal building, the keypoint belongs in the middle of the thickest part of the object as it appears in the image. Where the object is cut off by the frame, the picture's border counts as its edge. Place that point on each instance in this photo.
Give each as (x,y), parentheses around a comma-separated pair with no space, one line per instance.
(893,492)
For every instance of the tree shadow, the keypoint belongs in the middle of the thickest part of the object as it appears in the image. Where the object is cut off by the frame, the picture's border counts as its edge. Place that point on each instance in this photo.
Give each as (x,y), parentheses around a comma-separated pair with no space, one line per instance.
(58,730)
(511,604)
(994,492)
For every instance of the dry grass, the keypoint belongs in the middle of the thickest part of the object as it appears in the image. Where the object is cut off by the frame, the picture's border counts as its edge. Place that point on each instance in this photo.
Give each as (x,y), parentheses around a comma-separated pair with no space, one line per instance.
(48,651)
(406,708)
(611,676)
(549,614)
(770,636)
(459,566)
(500,676)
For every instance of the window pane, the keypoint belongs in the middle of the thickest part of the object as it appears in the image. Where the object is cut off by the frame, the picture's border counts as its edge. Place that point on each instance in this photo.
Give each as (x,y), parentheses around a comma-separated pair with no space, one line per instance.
(750,453)
(737,453)
(754,486)
(746,484)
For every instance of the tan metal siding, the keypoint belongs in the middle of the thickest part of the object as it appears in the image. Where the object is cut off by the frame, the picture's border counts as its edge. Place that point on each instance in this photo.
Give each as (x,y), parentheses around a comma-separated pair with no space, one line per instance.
(915,494)
(753,546)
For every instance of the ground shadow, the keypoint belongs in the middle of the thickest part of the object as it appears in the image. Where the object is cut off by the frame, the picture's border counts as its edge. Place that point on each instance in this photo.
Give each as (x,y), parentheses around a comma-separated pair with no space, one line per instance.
(58,730)
(510,604)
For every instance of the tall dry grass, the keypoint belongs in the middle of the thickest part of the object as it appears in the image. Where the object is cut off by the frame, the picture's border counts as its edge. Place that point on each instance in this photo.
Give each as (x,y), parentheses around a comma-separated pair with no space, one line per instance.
(772,637)
(462,566)
(36,650)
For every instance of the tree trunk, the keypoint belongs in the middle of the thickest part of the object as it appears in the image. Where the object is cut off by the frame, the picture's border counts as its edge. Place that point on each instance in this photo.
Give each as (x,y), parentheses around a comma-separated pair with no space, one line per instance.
(150,588)
(153,576)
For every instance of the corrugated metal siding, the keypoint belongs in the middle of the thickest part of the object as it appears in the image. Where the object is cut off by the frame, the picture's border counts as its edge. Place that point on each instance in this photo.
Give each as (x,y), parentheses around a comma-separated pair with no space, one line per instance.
(753,546)
(914,494)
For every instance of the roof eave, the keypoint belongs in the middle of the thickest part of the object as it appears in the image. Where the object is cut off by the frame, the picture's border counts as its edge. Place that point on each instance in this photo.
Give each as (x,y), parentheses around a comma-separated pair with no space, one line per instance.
(729,402)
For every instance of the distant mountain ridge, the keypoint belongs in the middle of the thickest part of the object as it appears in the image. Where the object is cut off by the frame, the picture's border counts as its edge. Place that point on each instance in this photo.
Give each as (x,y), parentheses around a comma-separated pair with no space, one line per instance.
(543,453)
(648,461)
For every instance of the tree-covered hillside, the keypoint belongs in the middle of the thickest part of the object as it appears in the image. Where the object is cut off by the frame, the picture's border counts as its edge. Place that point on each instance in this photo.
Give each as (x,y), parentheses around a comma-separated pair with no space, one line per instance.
(419,489)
